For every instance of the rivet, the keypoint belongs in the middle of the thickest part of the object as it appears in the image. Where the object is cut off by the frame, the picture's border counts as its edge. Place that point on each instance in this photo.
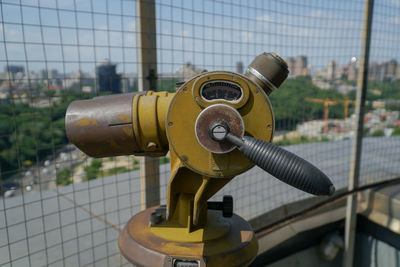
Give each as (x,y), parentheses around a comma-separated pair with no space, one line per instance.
(269,126)
(170,123)
(151,145)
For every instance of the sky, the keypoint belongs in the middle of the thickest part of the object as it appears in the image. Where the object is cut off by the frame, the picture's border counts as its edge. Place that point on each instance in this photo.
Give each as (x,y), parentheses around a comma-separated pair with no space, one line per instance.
(79,34)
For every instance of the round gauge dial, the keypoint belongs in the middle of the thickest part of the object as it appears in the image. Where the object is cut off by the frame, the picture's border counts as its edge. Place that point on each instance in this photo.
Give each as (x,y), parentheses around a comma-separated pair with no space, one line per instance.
(216,90)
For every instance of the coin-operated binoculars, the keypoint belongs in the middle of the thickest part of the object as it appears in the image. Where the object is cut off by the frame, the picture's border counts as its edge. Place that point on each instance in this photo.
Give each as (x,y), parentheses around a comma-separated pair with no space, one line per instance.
(216,126)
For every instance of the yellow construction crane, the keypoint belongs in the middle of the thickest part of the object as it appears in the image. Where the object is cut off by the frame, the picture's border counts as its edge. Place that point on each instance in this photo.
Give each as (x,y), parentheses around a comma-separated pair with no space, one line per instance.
(327,102)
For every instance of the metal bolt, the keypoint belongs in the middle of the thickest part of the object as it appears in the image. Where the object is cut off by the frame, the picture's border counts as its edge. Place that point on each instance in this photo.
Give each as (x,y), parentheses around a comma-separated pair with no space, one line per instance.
(151,145)
(155,218)
(219,132)
(170,123)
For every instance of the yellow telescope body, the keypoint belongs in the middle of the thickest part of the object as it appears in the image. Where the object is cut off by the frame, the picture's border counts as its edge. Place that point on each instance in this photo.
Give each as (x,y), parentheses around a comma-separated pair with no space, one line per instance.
(216,126)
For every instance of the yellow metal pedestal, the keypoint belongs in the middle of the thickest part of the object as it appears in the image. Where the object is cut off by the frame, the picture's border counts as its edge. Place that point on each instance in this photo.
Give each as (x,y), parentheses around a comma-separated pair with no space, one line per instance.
(142,246)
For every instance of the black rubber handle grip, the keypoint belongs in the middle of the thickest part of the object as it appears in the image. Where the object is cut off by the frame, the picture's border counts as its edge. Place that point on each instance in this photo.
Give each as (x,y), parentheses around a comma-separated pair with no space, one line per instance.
(284,165)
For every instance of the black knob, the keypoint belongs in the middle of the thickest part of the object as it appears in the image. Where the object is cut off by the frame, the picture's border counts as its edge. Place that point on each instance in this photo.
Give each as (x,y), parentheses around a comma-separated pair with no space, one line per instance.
(226,206)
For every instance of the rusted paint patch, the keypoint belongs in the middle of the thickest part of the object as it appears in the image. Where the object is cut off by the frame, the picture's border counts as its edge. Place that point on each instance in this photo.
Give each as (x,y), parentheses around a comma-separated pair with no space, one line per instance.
(246,236)
(124,118)
(86,122)
(114,144)
(128,131)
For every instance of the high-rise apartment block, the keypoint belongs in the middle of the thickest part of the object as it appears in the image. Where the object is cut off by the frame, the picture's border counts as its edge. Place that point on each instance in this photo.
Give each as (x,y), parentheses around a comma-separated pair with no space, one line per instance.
(107,78)
(301,66)
(331,70)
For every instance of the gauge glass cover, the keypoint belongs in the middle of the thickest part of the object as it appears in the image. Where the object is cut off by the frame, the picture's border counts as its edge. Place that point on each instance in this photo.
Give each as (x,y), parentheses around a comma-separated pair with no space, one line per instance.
(220,89)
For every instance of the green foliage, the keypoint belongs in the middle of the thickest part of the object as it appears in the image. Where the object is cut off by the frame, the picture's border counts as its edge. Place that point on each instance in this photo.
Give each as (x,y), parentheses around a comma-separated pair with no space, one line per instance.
(396,131)
(117,170)
(164,160)
(64,177)
(167,84)
(388,90)
(29,133)
(365,132)
(96,163)
(93,170)
(290,107)
(378,133)
(50,93)
(393,107)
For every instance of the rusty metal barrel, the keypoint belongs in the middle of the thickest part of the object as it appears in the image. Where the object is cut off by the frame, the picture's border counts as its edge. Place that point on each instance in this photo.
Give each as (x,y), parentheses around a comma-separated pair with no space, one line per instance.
(123,124)
(102,126)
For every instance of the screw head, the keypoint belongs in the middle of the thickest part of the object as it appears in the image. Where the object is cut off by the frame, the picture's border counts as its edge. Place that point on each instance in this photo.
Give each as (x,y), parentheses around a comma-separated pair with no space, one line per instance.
(219,132)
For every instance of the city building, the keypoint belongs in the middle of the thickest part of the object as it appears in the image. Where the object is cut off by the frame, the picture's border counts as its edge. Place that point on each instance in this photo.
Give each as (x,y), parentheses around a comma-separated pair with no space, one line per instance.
(341,72)
(107,78)
(78,80)
(187,71)
(291,66)
(392,69)
(352,72)
(373,71)
(383,71)
(239,67)
(331,70)
(301,66)
(14,69)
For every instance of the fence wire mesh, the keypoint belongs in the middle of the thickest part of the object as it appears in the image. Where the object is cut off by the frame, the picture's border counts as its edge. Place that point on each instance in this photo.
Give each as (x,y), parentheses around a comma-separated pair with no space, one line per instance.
(60,207)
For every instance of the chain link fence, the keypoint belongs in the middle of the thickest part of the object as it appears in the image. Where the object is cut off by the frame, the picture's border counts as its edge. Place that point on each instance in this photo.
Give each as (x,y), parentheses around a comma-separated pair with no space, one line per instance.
(58,207)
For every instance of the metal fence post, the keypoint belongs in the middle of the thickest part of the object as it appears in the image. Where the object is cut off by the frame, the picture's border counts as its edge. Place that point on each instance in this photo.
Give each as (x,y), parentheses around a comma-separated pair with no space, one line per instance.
(147,71)
(351,210)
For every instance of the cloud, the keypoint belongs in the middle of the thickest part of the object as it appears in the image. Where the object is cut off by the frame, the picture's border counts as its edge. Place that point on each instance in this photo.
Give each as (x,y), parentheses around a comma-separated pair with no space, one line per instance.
(317,13)
(264,18)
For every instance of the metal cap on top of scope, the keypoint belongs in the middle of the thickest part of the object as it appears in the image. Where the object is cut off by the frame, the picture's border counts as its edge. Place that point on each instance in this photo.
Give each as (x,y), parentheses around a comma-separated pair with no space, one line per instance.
(268,70)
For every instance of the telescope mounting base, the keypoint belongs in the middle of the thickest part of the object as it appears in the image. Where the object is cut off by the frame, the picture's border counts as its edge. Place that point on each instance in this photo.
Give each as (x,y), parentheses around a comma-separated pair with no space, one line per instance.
(141,245)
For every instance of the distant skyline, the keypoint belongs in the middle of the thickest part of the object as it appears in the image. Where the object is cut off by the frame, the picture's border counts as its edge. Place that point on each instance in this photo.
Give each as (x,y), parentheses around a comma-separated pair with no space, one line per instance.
(70,35)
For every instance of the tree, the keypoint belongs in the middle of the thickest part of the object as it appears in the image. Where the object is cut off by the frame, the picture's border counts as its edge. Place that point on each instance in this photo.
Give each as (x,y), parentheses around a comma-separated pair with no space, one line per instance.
(290,107)
(378,133)
(64,177)
(93,170)
(396,131)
